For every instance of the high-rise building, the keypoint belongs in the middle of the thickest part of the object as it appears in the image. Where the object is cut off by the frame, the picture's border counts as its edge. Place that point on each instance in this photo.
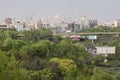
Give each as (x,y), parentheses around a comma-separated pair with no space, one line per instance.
(8,22)
(40,25)
(20,26)
(77,27)
(84,23)
(74,27)
(71,26)
(93,23)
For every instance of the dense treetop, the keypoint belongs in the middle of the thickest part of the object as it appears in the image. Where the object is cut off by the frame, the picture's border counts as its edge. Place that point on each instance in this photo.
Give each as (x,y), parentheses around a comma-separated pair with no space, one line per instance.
(40,55)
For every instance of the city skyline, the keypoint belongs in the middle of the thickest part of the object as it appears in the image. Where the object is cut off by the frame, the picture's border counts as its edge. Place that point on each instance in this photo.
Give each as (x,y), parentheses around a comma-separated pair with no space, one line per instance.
(103,10)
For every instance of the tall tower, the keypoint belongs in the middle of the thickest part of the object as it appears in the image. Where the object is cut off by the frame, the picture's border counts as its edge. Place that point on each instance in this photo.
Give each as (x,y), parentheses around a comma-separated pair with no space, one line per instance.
(84,23)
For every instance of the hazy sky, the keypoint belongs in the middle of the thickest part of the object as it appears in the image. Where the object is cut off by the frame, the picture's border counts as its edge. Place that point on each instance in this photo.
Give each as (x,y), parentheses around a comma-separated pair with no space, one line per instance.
(99,9)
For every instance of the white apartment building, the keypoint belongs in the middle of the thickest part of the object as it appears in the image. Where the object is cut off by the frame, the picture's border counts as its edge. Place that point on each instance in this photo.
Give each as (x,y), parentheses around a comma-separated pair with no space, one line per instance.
(116,23)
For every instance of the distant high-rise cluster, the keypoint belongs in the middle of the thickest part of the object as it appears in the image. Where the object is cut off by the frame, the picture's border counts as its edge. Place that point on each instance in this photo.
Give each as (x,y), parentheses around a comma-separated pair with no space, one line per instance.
(56,24)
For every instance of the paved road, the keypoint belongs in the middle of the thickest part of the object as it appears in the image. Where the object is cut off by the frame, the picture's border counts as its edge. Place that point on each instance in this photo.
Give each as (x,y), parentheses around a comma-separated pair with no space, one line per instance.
(91,33)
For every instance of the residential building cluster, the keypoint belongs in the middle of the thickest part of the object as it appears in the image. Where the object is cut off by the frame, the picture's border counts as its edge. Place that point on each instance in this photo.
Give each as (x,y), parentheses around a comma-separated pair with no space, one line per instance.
(112,24)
